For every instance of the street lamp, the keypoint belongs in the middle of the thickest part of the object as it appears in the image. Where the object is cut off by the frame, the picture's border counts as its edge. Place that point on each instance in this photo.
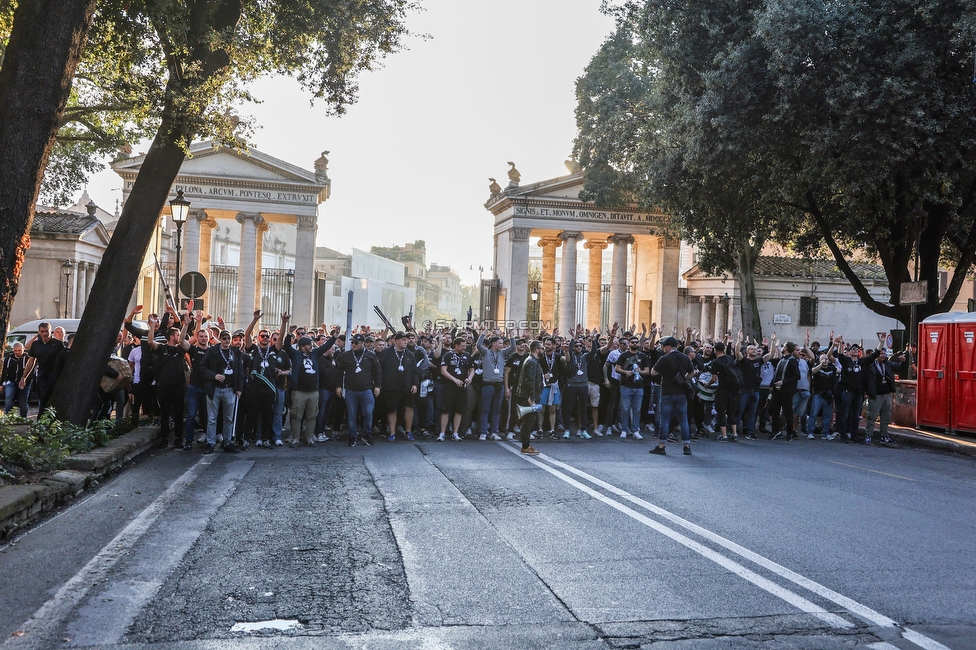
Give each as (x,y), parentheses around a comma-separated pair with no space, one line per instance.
(534,295)
(180,209)
(290,276)
(67,267)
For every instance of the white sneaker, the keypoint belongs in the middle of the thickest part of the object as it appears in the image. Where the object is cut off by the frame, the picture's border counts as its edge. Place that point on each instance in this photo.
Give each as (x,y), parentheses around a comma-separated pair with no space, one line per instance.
(278,443)
(220,438)
(709,428)
(495,436)
(510,436)
(440,438)
(202,438)
(321,437)
(637,435)
(456,438)
(811,436)
(483,437)
(532,436)
(515,429)
(623,434)
(598,431)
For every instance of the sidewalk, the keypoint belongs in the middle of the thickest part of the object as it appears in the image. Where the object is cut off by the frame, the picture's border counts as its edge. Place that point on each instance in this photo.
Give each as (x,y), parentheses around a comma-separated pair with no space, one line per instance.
(932,440)
(22,504)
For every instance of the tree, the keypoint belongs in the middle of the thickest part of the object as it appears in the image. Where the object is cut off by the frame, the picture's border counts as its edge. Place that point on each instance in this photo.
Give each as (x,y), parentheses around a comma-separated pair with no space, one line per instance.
(42,44)
(835,127)
(210,49)
(646,115)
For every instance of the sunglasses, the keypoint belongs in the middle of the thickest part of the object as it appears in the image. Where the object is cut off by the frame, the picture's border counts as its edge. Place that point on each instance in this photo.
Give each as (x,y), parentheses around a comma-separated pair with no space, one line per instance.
(262,336)
(224,338)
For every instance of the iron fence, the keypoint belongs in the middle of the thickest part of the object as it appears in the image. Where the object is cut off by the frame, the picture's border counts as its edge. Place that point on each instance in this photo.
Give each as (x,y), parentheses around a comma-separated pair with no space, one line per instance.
(534,306)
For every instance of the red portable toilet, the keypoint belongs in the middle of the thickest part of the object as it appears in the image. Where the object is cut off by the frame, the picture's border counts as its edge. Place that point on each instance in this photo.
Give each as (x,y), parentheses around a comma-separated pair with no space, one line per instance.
(934,398)
(963,391)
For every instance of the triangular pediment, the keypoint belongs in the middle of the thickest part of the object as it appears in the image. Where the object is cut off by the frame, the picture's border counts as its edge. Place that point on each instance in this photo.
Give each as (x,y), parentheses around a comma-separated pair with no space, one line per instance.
(206,161)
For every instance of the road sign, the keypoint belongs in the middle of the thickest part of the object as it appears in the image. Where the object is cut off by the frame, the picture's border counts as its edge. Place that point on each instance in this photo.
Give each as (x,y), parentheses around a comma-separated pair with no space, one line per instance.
(914,293)
(191,303)
(193,284)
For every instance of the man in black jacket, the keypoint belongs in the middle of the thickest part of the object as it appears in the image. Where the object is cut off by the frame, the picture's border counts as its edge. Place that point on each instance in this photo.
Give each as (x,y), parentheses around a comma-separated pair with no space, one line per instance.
(879,384)
(783,389)
(361,381)
(223,372)
(398,367)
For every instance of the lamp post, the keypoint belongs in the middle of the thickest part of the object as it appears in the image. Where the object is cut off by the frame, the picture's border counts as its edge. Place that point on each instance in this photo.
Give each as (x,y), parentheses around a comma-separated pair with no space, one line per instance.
(290,276)
(66,268)
(535,303)
(179,209)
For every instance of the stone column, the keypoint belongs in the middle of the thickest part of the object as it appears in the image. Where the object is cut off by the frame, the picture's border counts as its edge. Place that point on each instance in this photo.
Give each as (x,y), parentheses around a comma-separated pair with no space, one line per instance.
(668,272)
(594,282)
(567,284)
(547,297)
(207,228)
(81,282)
(246,288)
(516,304)
(304,270)
(192,234)
(705,320)
(90,280)
(618,279)
(721,309)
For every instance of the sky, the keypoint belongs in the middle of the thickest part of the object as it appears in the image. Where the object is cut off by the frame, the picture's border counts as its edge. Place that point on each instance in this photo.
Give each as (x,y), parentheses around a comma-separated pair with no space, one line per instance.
(494,82)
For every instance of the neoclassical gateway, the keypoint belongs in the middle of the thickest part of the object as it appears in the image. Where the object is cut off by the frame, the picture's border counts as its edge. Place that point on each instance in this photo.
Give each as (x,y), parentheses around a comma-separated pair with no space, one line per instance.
(645,265)
(251,231)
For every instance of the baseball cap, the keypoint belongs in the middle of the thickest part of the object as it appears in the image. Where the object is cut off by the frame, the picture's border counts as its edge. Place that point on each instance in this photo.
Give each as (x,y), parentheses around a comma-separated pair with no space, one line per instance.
(304,341)
(358,338)
(669,342)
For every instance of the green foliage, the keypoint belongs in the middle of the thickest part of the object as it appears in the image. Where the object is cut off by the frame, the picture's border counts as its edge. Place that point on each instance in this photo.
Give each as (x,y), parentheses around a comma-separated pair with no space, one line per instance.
(44,444)
(831,126)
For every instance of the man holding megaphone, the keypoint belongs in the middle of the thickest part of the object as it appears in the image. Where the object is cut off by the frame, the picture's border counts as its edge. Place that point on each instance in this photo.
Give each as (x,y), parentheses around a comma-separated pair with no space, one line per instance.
(528,393)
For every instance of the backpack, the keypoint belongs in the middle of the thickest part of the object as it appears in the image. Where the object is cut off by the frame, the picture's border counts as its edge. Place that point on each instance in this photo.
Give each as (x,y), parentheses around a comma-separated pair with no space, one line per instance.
(730,376)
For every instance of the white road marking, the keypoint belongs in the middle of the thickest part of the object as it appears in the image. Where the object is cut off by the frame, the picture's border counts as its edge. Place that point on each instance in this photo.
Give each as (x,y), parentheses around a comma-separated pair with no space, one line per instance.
(276,624)
(849,604)
(882,645)
(46,621)
(796,600)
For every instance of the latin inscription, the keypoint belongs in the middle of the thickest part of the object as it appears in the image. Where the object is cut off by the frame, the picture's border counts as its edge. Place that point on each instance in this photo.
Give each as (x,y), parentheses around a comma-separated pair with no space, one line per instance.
(242,193)
(587,215)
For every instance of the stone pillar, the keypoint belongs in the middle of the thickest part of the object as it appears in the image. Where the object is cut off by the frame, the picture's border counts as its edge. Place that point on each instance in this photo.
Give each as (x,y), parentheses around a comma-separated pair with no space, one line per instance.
(81,282)
(547,297)
(90,280)
(247,298)
(667,272)
(207,228)
(718,330)
(304,270)
(192,234)
(618,279)
(567,284)
(516,304)
(594,282)
(705,320)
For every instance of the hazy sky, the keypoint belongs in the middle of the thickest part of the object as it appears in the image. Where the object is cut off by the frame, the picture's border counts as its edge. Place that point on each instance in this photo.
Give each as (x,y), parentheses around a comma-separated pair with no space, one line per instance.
(411,160)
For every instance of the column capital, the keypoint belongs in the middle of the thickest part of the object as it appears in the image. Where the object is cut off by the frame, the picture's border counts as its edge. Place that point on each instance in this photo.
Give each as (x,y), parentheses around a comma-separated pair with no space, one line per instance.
(555,242)
(596,244)
(569,234)
(622,240)
(199,215)
(249,216)
(308,222)
(668,242)
(702,299)
(716,299)
(521,234)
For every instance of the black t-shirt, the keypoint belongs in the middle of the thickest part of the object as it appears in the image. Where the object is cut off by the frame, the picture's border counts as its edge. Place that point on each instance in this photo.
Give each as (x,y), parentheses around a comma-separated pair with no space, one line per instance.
(633,361)
(196,362)
(723,367)
(670,366)
(46,353)
(825,380)
(457,364)
(168,362)
(305,374)
(751,372)
(514,364)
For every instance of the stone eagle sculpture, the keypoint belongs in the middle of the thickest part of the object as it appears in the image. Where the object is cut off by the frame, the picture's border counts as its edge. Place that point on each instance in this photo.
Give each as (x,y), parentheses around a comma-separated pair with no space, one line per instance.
(513,174)
(494,188)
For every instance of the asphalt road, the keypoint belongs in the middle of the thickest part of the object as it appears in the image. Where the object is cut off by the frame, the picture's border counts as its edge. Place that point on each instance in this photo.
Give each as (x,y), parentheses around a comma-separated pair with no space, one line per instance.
(806,544)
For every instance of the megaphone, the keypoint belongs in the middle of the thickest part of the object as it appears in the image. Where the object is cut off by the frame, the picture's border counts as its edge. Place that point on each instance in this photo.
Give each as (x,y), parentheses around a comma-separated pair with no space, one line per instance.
(525,410)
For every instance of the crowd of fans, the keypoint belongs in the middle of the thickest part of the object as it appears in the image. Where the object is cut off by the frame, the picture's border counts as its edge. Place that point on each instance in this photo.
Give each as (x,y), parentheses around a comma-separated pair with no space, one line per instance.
(301,386)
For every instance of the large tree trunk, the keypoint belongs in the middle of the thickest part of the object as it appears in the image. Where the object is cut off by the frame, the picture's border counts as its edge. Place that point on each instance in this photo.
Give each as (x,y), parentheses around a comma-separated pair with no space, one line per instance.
(746,279)
(116,278)
(45,45)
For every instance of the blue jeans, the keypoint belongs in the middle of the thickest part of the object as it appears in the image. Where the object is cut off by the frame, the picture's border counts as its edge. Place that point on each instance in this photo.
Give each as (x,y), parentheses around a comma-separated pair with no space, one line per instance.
(748,403)
(630,404)
(359,401)
(222,397)
(823,407)
(276,414)
(679,404)
(800,400)
(196,400)
(13,393)
(491,405)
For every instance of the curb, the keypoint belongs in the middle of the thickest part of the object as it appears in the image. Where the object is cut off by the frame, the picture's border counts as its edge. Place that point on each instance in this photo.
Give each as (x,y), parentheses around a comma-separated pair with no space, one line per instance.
(22,504)
(921,440)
